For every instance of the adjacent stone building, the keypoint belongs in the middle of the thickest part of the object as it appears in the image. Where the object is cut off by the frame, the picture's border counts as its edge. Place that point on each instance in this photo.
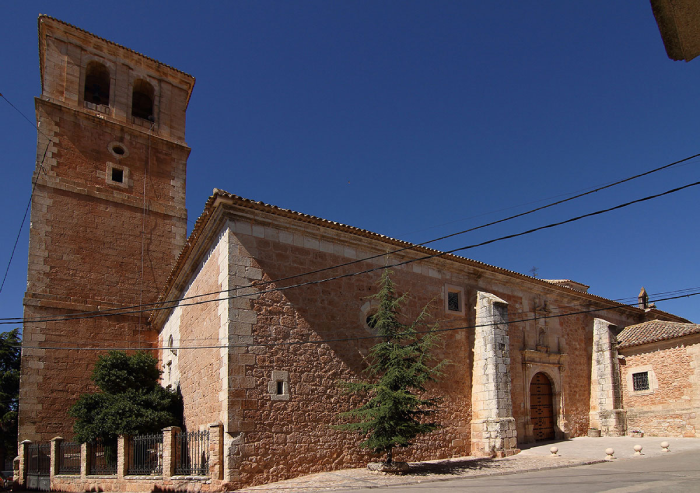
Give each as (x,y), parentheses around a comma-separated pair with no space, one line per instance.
(660,378)
(265,309)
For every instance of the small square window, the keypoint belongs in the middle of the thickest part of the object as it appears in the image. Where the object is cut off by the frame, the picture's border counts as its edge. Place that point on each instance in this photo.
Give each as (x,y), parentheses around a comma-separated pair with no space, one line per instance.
(278,386)
(640,381)
(454,300)
(117,175)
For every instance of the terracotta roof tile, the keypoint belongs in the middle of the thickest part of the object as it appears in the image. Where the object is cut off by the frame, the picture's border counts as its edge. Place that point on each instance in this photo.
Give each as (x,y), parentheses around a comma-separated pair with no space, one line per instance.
(219,194)
(654,331)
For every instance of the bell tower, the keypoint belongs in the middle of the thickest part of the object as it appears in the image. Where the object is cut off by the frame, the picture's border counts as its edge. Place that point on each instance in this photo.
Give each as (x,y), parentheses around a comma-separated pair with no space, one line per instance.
(108,216)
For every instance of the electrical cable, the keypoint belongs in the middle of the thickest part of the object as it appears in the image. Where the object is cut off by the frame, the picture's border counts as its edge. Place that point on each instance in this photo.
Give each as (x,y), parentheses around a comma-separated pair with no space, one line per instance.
(31,195)
(170,305)
(351,339)
(159,305)
(366,271)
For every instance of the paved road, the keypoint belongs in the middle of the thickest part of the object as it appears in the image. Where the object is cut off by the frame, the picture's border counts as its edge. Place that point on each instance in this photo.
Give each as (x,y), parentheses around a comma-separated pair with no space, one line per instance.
(678,472)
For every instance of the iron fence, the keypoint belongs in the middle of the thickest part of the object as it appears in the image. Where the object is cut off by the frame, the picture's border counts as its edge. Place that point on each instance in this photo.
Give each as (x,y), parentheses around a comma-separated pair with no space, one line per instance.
(39,459)
(146,454)
(192,453)
(69,458)
(102,459)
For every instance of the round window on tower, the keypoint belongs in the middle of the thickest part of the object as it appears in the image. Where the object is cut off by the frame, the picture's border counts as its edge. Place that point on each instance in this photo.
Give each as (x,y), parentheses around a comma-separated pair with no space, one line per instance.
(118,150)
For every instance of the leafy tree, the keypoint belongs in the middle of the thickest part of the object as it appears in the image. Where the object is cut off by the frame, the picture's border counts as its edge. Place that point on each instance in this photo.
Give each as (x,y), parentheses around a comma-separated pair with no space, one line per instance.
(10,356)
(401,366)
(130,401)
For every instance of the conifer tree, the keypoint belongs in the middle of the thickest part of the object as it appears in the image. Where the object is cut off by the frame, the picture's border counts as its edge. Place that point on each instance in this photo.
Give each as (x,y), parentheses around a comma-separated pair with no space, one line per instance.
(10,344)
(400,367)
(130,400)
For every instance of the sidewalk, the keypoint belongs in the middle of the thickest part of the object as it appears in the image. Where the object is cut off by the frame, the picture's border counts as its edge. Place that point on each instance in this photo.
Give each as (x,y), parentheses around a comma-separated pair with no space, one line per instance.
(575,452)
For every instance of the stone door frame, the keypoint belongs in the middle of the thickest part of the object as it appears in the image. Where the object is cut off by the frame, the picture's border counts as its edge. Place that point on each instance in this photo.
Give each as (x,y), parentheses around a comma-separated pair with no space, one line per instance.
(553,372)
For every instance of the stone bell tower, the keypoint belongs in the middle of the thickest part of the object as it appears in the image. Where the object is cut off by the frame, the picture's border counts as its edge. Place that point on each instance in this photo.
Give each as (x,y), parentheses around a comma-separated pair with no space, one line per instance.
(108,216)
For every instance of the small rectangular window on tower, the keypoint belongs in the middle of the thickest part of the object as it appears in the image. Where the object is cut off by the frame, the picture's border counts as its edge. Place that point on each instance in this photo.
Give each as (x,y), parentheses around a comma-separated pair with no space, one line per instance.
(640,381)
(117,175)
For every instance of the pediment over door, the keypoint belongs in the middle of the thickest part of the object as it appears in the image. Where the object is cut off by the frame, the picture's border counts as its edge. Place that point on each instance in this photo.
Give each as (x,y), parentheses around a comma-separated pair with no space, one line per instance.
(544,358)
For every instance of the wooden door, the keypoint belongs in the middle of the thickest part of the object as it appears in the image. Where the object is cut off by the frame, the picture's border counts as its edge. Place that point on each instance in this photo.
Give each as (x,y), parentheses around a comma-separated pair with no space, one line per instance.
(541,408)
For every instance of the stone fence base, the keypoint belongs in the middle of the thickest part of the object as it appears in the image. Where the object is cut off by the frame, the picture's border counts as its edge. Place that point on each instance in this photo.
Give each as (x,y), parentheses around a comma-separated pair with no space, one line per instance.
(209,476)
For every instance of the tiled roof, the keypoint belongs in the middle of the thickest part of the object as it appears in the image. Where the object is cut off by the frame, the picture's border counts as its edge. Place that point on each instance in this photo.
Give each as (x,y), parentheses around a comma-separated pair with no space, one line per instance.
(654,331)
(275,210)
(568,283)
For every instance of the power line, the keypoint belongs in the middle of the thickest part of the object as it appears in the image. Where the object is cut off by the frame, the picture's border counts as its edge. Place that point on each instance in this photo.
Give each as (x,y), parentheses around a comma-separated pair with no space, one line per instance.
(125,310)
(575,194)
(172,304)
(352,339)
(31,195)
(366,271)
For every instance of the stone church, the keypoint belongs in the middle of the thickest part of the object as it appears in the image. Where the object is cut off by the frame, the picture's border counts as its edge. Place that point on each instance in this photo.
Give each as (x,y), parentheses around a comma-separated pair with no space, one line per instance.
(248,324)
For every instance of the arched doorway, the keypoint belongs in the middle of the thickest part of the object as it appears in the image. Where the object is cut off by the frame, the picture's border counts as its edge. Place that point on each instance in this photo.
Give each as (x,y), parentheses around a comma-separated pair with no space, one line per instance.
(541,408)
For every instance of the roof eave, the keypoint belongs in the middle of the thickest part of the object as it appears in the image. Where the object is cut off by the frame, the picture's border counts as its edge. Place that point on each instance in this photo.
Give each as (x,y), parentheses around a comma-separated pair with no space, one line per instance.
(221,197)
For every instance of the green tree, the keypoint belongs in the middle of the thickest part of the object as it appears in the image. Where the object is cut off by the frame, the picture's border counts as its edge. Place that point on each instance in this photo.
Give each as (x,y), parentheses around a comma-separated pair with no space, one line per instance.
(130,400)
(10,356)
(400,366)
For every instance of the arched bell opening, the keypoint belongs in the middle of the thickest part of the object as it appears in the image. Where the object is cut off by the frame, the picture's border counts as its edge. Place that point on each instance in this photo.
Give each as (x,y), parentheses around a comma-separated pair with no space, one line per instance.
(97,84)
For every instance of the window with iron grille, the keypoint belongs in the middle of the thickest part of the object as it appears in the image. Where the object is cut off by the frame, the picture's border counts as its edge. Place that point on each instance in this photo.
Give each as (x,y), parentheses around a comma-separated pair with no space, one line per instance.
(640,381)
(454,300)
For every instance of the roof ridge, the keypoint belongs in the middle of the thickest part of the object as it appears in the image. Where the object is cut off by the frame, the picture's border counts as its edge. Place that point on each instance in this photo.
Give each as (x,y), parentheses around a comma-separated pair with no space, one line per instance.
(219,193)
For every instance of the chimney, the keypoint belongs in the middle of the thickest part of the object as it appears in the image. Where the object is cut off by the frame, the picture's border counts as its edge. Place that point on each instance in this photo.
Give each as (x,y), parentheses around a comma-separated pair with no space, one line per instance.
(643,299)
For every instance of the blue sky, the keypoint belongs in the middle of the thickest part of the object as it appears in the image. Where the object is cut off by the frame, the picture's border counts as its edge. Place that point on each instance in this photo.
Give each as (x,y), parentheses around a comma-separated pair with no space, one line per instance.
(413,119)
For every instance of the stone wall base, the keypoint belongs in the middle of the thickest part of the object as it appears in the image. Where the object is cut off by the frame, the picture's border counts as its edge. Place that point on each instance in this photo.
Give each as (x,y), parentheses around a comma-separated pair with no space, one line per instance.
(494,437)
(186,484)
(610,423)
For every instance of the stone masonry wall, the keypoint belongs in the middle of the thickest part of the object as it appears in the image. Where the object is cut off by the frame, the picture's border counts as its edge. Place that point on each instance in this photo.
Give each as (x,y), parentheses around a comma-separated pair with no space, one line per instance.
(606,414)
(196,369)
(493,425)
(86,245)
(285,436)
(276,337)
(672,404)
(53,379)
(576,342)
(67,52)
